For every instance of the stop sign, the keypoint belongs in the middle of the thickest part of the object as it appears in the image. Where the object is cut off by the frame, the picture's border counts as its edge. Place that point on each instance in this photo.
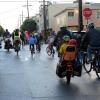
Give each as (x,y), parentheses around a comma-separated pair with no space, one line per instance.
(87,12)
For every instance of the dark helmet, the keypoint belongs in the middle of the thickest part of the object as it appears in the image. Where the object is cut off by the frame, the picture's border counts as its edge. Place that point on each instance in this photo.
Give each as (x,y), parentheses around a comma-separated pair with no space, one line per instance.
(6,30)
(91,25)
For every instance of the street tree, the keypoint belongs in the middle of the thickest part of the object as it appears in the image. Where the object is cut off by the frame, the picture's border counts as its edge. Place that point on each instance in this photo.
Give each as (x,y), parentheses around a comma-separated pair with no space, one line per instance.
(1,30)
(29,25)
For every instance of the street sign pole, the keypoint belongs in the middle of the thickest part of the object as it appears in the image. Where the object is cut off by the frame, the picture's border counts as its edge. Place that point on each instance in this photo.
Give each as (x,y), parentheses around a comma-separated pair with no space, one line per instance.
(87,22)
(87,12)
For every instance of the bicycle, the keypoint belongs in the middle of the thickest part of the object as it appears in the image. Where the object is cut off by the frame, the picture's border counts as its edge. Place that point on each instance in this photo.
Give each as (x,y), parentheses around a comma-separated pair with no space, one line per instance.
(85,63)
(95,63)
(17,45)
(32,50)
(50,50)
(38,47)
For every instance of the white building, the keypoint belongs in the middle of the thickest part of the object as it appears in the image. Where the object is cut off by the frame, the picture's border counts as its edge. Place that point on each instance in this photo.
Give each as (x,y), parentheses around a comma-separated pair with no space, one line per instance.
(69,16)
(51,11)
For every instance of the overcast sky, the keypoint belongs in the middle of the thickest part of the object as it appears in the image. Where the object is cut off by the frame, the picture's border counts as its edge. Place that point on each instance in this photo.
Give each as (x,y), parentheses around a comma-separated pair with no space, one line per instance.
(10,12)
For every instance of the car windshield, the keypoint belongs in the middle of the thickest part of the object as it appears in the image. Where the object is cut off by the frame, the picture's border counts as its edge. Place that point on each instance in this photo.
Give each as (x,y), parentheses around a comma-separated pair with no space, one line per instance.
(76,34)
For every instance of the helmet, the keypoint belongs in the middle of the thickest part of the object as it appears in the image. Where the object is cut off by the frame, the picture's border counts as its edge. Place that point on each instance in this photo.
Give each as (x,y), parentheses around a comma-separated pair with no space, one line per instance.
(66,38)
(72,42)
(91,25)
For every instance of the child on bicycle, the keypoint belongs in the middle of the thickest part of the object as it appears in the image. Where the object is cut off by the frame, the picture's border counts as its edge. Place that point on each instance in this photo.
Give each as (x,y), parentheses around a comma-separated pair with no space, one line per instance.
(63,46)
(68,54)
(50,43)
(32,42)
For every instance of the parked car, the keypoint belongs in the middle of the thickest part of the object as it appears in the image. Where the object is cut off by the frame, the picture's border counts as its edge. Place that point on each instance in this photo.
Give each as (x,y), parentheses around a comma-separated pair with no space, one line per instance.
(78,36)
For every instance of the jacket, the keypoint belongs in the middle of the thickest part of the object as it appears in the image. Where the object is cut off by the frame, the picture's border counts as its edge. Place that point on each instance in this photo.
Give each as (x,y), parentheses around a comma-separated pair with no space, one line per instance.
(32,40)
(60,35)
(92,38)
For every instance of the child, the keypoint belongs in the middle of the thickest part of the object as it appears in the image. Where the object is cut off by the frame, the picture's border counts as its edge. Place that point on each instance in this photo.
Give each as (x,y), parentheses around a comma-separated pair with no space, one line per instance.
(69,53)
(32,42)
(61,65)
(63,46)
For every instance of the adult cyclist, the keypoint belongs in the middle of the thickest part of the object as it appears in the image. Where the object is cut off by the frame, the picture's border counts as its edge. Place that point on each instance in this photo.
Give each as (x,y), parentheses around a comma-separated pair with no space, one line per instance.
(92,39)
(59,37)
(16,37)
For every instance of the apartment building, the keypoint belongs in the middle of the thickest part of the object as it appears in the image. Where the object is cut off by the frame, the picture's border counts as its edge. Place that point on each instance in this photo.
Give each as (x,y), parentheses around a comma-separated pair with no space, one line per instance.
(69,16)
(50,11)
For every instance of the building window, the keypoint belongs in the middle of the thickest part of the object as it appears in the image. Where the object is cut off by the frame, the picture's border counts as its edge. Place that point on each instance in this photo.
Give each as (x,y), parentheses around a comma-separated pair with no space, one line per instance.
(70,14)
(98,14)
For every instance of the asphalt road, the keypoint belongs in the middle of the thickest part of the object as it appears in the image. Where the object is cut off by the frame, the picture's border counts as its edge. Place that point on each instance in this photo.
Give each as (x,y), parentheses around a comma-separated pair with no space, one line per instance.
(25,77)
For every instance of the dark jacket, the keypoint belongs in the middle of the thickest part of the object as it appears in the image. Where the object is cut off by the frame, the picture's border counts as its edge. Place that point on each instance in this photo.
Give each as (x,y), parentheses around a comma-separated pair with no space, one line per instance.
(92,38)
(61,34)
(84,42)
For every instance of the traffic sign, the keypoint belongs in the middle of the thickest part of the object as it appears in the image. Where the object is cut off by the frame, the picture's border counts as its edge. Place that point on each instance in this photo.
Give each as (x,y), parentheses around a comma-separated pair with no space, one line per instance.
(87,12)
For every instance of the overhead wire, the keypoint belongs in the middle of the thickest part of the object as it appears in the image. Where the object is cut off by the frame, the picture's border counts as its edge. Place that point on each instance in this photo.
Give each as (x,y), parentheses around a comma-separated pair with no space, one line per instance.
(36,0)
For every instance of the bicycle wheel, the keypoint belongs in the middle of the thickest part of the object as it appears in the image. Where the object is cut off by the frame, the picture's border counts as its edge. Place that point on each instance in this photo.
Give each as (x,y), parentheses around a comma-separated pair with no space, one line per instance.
(32,50)
(48,51)
(97,68)
(87,66)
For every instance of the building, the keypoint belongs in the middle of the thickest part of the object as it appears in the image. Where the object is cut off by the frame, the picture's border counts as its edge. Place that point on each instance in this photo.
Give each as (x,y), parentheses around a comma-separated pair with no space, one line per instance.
(69,16)
(50,11)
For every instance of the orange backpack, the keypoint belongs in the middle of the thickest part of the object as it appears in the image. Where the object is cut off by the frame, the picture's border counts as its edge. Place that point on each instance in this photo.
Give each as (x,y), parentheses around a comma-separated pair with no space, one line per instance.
(70,53)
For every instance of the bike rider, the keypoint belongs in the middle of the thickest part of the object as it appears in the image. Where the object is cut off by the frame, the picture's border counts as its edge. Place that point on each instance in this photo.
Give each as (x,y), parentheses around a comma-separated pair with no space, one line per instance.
(7,39)
(6,34)
(59,37)
(32,42)
(68,54)
(92,39)
(50,41)
(38,43)
(16,37)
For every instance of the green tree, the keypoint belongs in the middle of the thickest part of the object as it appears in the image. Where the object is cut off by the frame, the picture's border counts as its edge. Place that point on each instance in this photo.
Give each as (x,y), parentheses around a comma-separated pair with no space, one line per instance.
(29,25)
(1,30)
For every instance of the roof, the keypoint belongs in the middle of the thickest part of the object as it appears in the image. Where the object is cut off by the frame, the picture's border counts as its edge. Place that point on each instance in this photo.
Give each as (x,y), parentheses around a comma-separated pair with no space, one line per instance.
(69,6)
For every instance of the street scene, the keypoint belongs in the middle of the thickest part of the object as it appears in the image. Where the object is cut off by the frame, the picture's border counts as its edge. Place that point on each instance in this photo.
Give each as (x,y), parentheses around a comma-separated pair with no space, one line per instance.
(25,77)
(50,50)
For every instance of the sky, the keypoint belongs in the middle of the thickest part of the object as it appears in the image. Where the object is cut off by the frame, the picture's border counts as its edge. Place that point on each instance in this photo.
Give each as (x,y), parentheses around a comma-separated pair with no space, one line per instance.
(11,12)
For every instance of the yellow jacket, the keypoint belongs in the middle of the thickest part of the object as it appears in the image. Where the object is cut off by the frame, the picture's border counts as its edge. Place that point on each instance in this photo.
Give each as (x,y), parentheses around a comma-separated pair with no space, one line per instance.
(63,48)
(16,37)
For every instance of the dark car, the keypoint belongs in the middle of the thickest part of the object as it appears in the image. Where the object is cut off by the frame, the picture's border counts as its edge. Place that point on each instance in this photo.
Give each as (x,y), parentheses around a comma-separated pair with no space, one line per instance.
(78,36)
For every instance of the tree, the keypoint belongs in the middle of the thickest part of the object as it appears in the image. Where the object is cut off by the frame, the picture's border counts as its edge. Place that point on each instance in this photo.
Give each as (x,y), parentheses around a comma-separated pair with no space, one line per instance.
(29,25)
(1,30)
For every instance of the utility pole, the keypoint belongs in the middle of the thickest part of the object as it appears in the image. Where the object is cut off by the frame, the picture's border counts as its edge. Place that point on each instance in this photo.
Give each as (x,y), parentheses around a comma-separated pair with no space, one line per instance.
(27,10)
(22,17)
(20,21)
(80,21)
(44,17)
